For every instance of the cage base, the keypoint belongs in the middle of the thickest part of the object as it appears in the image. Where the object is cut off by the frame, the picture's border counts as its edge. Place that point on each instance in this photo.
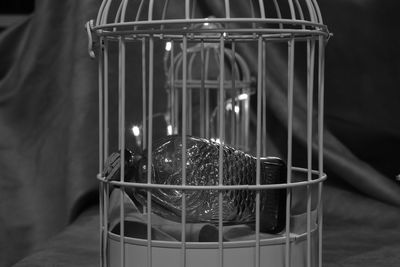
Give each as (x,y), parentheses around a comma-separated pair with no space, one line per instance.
(235,254)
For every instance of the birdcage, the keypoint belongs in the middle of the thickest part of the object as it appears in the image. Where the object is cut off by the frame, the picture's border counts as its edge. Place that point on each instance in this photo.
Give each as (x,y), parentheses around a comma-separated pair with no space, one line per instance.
(210,132)
(202,83)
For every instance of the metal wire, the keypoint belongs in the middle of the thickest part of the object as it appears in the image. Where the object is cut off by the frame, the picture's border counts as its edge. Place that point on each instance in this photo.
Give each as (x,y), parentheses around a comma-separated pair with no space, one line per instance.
(259,146)
(101,155)
(321,89)
(121,143)
(315,180)
(150,148)
(221,131)
(105,141)
(310,93)
(289,163)
(184,129)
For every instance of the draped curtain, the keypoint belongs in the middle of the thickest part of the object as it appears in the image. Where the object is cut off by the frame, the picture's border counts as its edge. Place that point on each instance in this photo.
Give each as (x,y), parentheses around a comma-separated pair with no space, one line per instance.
(49,117)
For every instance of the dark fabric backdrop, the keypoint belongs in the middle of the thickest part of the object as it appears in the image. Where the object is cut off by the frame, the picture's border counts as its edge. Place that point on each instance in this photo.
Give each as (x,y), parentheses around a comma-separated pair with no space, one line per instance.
(48,120)
(49,142)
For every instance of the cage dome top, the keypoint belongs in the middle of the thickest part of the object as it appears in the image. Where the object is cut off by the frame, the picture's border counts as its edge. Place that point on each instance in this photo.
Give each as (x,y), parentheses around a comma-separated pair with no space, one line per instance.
(168,18)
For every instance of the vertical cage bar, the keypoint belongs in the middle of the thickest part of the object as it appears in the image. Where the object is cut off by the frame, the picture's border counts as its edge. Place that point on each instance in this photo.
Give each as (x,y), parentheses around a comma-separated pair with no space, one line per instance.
(144,100)
(100,12)
(318,11)
(105,193)
(184,145)
(202,88)
(139,11)
(207,96)
(300,10)
(101,150)
(189,110)
(173,119)
(194,4)
(292,11)
(102,226)
(164,11)
(187,9)
(310,87)
(121,142)
(262,8)
(168,59)
(123,10)
(234,93)
(178,90)
(221,134)
(150,11)
(149,149)
(236,117)
(313,15)
(175,92)
(101,108)
(189,77)
(240,133)
(246,122)
(321,81)
(259,145)
(105,12)
(264,99)
(118,14)
(106,103)
(278,11)
(246,114)
(291,44)
(227,9)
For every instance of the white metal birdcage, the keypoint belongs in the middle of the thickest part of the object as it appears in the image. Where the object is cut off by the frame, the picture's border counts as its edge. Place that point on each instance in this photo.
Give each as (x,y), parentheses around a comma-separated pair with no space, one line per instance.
(215,70)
